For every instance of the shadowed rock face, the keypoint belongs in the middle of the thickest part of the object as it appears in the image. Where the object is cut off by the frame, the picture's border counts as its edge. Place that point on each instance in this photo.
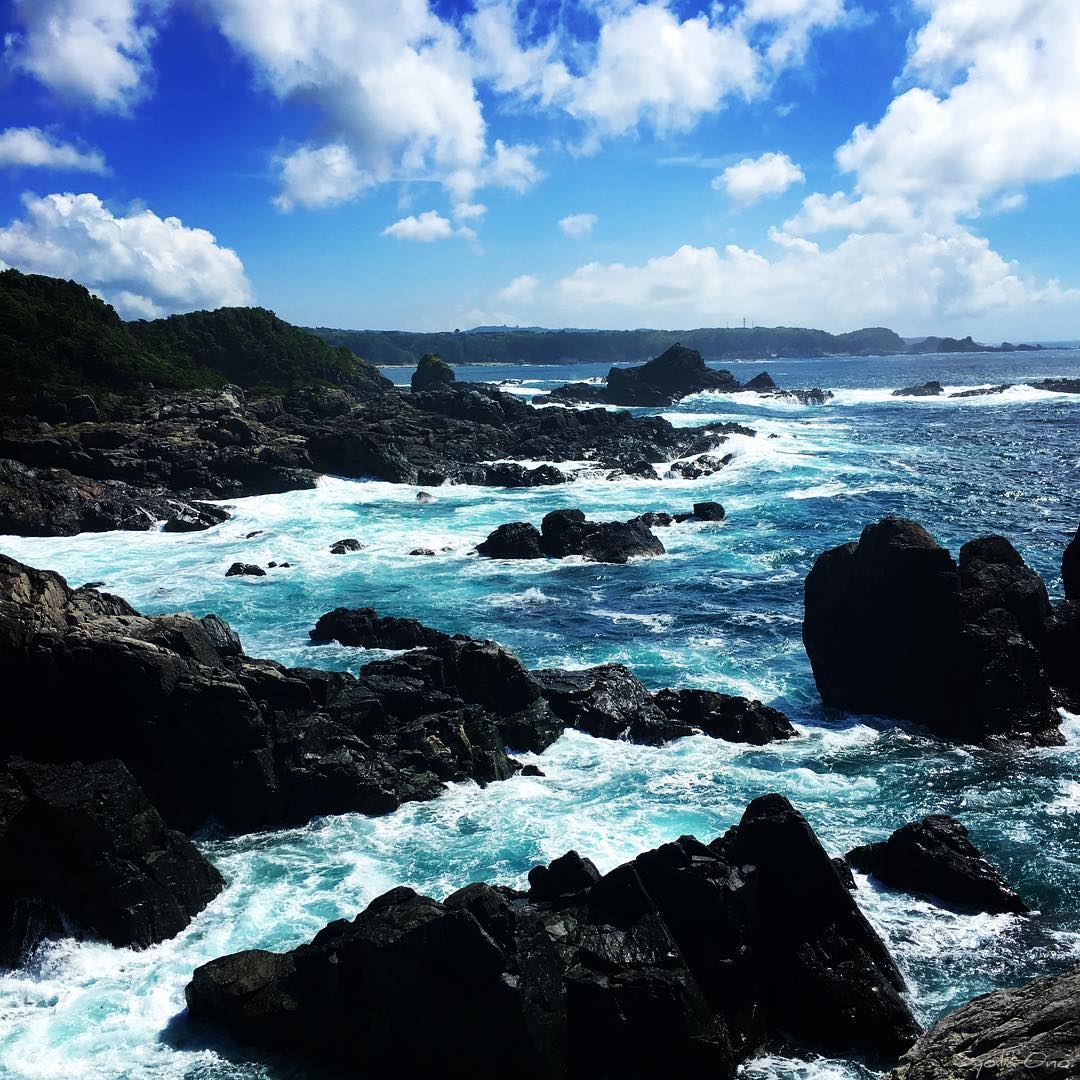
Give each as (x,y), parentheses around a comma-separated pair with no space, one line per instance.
(566,532)
(935,856)
(84,853)
(725,716)
(1070,568)
(431,373)
(1030,1031)
(690,958)
(893,626)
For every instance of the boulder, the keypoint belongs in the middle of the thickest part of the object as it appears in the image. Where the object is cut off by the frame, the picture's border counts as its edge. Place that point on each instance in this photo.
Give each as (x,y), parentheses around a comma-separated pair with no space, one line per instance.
(239,569)
(364,627)
(346,546)
(608,702)
(1070,568)
(566,532)
(761,381)
(1016,1034)
(432,373)
(893,626)
(86,855)
(723,716)
(935,856)
(515,540)
(928,389)
(708,511)
(422,551)
(195,517)
(675,374)
(564,877)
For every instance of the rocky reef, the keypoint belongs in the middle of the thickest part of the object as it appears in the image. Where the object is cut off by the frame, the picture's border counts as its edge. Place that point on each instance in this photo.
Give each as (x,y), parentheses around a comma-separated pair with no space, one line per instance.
(971,648)
(690,957)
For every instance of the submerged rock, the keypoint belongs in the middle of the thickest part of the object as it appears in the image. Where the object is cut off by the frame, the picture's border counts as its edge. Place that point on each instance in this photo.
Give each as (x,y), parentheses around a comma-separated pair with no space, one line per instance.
(85,854)
(927,389)
(935,856)
(689,958)
(893,626)
(1033,1030)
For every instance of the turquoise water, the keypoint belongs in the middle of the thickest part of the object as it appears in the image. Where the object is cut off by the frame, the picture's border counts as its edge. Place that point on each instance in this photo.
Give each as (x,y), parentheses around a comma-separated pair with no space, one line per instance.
(721,610)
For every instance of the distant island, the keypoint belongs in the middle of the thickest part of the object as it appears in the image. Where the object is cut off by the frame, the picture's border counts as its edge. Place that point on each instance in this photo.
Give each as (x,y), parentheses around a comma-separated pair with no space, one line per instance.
(536,345)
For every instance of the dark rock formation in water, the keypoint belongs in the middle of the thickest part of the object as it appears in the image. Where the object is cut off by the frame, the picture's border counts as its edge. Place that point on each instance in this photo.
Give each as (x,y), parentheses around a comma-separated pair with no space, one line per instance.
(689,959)
(368,629)
(85,854)
(894,626)
(1017,1034)
(566,532)
(1070,568)
(674,374)
(431,373)
(724,716)
(927,389)
(935,856)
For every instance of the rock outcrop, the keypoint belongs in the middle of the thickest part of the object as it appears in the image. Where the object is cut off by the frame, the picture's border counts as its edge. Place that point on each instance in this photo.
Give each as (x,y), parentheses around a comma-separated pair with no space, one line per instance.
(1070,568)
(431,373)
(724,716)
(368,629)
(689,958)
(1030,1031)
(927,389)
(936,857)
(894,626)
(566,532)
(85,854)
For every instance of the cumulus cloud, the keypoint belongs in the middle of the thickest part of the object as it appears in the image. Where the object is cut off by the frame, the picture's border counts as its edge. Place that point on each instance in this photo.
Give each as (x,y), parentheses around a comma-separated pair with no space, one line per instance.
(423,228)
(754,178)
(320,177)
(522,288)
(577,225)
(142,264)
(30,147)
(878,277)
(97,51)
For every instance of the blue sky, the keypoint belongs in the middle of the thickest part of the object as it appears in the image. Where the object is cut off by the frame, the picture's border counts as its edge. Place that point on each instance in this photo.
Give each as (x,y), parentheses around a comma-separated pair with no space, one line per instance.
(418,165)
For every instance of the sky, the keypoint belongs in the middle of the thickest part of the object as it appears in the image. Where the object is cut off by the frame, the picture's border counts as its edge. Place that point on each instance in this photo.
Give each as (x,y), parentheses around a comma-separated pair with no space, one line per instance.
(594,163)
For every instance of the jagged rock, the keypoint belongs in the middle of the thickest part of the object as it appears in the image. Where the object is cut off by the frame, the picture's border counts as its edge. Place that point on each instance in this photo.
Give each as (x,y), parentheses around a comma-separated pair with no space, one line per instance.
(85,854)
(1058,386)
(734,719)
(609,702)
(1061,652)
(422,551)
(927,389)
(1070,568)
(673,375)
(364,627)
(433,372)
(532,770)
(936,856)
(515,540)
(346,546)
(654,519)
(893,626)
(690,958)
(761,381)
(814,396)
(196,518)
(982,391)
(709,511)
(1007,1035)
(705,465)
(239,569)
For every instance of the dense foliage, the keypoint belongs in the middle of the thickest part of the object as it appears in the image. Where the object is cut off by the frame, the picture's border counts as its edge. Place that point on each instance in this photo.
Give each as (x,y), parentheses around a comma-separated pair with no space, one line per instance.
(57,339)
(511,346)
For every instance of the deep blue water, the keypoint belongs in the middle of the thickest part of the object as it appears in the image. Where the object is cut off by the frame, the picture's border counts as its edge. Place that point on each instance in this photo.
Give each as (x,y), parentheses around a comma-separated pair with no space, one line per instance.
(721,610)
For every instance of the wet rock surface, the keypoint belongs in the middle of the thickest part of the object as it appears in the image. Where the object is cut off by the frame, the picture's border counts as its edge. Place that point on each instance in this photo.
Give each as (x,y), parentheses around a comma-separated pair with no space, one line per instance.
(567,532)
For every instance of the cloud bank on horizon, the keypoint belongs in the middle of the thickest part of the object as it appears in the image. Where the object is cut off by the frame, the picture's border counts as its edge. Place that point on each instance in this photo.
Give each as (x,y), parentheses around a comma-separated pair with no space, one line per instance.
(594,162)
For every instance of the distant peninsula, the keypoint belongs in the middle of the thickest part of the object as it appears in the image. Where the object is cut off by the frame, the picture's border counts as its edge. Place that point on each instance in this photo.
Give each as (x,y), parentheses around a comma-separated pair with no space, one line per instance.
(536,345)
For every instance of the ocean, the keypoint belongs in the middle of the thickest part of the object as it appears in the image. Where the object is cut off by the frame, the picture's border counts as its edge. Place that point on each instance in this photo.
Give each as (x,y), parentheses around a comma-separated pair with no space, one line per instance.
(721,610)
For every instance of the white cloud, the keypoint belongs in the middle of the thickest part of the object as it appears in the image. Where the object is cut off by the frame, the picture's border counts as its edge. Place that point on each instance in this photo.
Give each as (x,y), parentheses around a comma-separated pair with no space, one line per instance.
(94,50)
(820,213)
(577,225)
(794,23)
(521,289)
(947,283)
(423,228)
(754,178)
(465,211)
(143,264)
(31,147)
(321,177)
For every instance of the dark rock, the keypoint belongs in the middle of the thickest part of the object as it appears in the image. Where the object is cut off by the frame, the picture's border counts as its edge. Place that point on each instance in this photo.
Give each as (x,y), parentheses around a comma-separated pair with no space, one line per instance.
(86,855)
(515,540)
(562,878)
(532,770)
(814,396)
(928,389)
(1070,568)
(640,470)
(734,719)
(982,391)
(761,381)
(1012,1034)
(239,569)
(195,518)
(935,856)
(424,497)
(893,626)
(83,409)
(1058,386)
(422,551)
(608,702)
(510,474)
(673,375)
(1061,652)
(654,519)
(432,372)
(708,511)
(365,628)
(346,546)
